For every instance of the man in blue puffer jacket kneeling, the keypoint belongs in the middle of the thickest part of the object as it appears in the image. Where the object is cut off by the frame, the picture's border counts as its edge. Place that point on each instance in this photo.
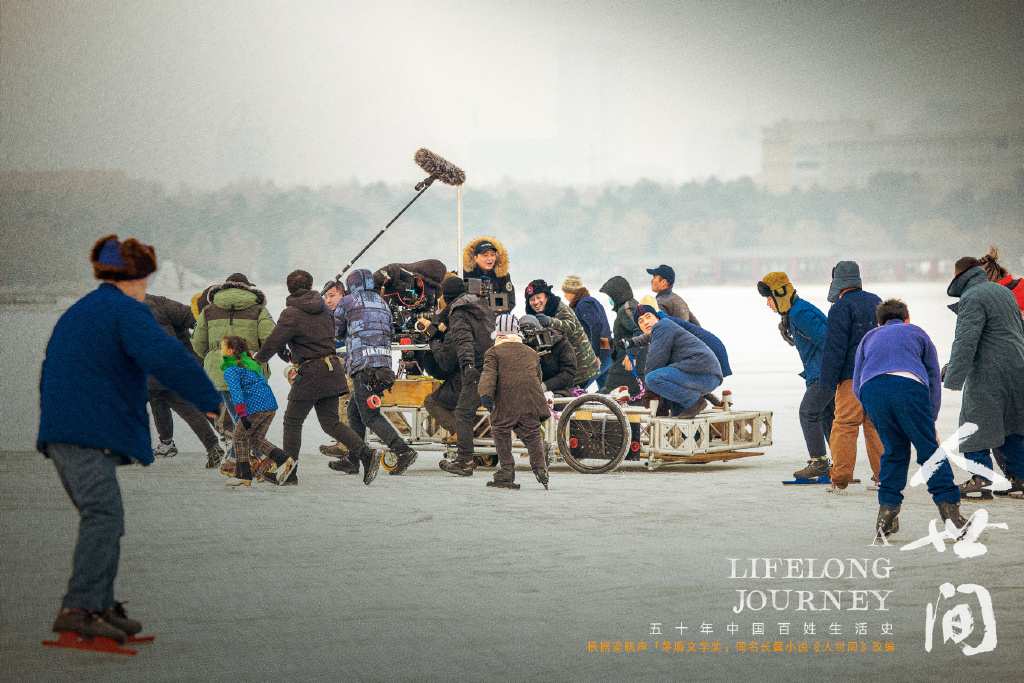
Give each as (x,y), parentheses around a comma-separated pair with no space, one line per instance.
(680,367)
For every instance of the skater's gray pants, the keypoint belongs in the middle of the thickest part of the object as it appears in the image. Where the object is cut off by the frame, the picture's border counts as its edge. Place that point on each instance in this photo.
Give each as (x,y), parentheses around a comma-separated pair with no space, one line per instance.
(528,430)
(89,476)
(817,411)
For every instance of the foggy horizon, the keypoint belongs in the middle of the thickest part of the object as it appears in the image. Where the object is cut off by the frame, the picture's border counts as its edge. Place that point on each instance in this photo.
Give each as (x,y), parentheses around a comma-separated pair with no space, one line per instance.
(567,93)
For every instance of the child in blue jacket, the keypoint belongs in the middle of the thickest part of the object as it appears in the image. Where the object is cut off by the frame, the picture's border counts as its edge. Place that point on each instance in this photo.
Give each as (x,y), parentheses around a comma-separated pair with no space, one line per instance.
(255,407)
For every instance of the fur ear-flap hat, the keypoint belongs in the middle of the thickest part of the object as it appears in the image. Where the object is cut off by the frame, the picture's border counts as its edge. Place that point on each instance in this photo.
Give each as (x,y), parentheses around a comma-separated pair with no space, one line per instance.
(778,287)
(115,260)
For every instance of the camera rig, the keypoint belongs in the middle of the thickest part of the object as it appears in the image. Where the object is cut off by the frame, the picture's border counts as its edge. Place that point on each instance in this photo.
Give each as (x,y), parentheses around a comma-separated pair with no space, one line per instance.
(540,339)
(484,288)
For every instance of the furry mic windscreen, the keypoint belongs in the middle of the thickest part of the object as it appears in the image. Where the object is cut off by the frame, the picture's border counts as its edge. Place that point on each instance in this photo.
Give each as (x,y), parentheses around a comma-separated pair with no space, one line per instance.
(444,170)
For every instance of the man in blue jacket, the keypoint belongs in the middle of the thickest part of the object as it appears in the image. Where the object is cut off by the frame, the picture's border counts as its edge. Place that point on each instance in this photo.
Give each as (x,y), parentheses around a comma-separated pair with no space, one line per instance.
(93,394)
(363,319)
(803,326)
(680,367)
(851,317)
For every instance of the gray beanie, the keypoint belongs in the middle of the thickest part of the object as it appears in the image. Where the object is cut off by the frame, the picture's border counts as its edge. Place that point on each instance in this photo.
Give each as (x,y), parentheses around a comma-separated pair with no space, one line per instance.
(846,274)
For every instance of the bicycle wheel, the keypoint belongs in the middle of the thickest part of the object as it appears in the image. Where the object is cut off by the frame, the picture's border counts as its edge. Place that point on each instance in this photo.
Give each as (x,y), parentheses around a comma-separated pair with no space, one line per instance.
(593,434)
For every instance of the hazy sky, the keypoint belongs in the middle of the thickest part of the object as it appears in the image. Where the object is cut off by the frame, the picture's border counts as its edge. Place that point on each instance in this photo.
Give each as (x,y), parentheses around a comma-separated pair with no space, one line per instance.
(323,92)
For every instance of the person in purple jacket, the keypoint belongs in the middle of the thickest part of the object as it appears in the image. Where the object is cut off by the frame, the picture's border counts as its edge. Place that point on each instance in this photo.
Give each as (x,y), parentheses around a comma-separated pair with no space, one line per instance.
(896,377)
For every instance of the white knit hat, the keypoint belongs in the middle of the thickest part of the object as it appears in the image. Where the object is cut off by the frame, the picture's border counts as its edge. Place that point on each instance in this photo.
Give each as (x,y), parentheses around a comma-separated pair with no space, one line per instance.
(505,324)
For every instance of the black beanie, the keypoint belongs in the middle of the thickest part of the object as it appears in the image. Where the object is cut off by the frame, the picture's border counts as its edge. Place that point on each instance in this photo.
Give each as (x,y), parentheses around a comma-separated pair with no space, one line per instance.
(453,288)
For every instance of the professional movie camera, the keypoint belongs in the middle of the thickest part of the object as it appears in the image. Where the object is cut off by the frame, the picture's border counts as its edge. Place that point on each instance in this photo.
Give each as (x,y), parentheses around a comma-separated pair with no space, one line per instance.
(484,288)
(411,292)
(540,339)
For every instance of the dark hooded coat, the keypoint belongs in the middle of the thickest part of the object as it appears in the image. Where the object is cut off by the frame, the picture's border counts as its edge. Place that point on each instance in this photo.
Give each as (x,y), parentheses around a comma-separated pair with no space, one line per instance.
(624,327)
(306,329)
(987,359)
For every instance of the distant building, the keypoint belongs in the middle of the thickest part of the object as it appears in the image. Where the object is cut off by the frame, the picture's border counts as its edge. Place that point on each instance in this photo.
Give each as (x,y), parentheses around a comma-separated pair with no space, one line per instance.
(834,154)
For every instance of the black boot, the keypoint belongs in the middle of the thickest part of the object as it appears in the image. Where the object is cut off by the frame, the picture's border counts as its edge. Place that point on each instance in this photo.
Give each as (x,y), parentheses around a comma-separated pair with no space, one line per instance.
(344,464)
(505,478)
(888,520)
(460,466)
(371,464)
(406,457)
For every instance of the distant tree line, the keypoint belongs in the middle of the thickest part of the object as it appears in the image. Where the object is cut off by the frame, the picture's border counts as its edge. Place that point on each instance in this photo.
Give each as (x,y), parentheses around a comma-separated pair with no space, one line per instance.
(267,231)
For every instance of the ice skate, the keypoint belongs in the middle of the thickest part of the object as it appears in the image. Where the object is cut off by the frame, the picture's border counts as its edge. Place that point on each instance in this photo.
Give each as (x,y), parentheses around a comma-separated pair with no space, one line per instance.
(214,456)
(166,449)
(459,466)
(976,484)
(281,473)
(243,475)
(116,617)
(504,478)
(816,467)
(1016,486)
(950,512)
(888,522)
(542,476)
(86,630)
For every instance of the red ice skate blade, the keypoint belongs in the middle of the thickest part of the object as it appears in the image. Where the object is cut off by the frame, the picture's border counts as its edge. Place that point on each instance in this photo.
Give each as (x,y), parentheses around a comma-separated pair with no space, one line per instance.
(76,641)
(139,639)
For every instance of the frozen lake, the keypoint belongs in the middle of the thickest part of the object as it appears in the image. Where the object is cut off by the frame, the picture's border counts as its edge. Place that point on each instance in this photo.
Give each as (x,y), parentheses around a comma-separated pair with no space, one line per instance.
(430,577)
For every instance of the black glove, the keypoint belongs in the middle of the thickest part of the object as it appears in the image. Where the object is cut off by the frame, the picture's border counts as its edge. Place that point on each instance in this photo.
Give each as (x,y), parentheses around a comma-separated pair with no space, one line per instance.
(621,344)
(487,402)
(245,422)
(470,375)
(542,319)
(942,373)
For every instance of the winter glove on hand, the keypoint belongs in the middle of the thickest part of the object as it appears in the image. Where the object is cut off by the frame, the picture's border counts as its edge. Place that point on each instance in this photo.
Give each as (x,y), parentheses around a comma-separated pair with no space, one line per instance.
(245,422)
(470,375)
(487,402)
(942,373)
(542,319)
(621,344)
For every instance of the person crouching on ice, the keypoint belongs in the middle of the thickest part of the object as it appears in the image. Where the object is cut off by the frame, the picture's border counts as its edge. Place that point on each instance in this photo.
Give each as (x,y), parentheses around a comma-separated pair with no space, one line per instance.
(896,378)
(255,407)
(510,388)
(680,367)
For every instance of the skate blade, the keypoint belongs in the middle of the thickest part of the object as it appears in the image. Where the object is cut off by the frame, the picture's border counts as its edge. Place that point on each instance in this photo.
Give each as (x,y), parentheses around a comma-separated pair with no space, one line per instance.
(805,481)
(76,641)
(496,485)
(139,639)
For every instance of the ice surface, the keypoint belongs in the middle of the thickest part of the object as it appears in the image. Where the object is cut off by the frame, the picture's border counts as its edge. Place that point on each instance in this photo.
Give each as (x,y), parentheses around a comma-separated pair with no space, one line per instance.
(430,577)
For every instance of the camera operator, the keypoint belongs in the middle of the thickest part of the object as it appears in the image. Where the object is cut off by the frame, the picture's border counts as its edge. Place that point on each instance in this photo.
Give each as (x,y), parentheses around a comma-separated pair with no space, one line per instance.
(557,359)
(484,257)
(552,312)
(470,322)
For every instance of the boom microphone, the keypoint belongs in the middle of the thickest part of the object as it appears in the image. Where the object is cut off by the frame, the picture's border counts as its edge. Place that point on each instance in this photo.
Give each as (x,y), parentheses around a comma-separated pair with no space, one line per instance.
(439,167)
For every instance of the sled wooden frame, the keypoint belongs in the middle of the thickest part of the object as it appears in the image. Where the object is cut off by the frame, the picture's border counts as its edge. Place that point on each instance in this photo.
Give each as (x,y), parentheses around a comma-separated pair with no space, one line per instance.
(717,434)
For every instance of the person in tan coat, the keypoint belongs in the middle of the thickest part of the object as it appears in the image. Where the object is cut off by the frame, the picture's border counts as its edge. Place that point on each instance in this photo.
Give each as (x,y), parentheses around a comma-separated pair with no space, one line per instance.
(510,388)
